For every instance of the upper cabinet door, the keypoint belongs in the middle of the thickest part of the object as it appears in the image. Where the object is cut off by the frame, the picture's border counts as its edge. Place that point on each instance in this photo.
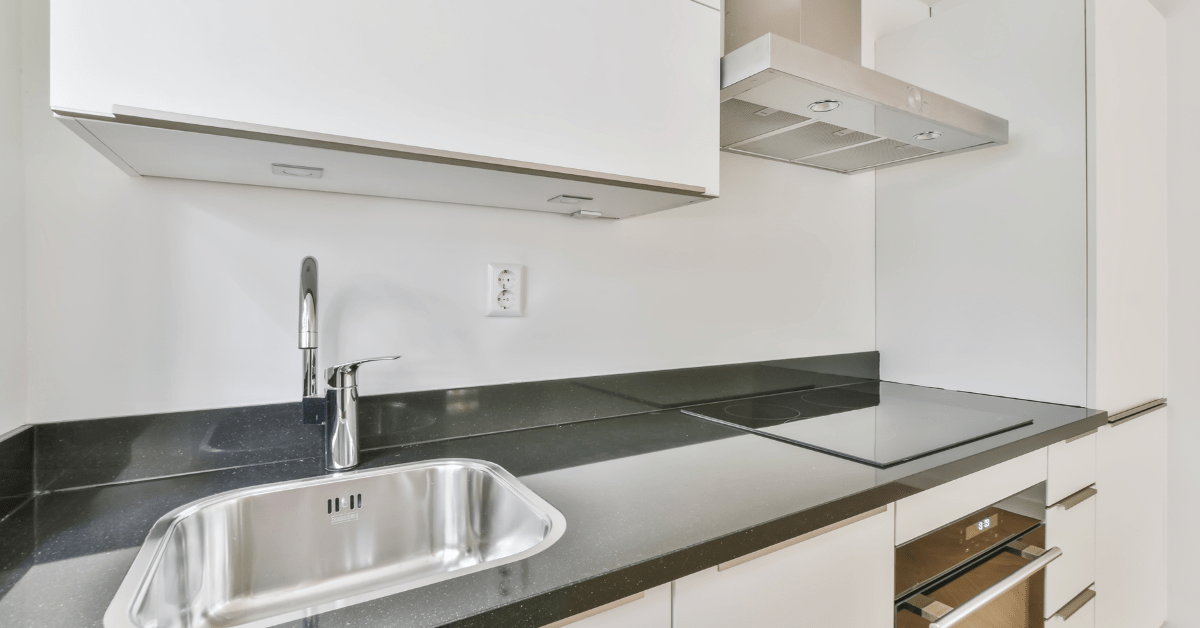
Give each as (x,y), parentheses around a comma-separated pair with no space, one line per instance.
(618,92)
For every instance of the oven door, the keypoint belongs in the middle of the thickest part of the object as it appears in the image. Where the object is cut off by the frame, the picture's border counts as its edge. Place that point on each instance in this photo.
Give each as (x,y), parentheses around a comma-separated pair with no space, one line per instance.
(1002,589)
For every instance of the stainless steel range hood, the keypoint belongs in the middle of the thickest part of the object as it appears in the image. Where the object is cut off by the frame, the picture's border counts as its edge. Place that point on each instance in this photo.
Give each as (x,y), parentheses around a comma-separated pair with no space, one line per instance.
(786,101)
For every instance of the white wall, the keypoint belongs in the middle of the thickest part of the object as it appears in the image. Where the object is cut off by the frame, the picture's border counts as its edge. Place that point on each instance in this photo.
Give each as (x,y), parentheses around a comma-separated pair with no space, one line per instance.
(881,18)
(1183,367)
(982,257)
(12,223)
(152,295)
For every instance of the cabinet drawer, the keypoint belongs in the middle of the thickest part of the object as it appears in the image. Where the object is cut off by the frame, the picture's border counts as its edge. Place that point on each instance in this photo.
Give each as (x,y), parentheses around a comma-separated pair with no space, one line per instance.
(650,609)
(843,577)
(1071,467)
(1085,617)
(934,508)
(1074,531)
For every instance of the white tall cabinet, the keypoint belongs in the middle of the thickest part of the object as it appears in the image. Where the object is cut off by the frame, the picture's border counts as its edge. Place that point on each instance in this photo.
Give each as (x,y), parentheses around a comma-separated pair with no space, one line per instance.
(1131,516)
(1127,308)
(1038,269)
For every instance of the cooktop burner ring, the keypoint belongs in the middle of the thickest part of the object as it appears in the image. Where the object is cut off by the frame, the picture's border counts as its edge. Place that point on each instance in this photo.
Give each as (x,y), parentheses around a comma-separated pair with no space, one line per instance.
(761,411)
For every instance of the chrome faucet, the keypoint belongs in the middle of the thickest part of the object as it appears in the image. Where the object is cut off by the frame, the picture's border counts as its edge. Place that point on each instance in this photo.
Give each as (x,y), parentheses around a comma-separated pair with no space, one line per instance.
(341,420)
(341,423)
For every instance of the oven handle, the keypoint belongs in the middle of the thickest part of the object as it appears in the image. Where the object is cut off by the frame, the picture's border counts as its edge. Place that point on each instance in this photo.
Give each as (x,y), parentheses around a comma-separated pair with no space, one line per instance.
(965,610)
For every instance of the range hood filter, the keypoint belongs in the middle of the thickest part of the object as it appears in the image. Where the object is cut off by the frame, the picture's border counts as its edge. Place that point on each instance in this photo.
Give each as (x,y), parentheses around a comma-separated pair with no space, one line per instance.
(868,156)
(740,121)
(805,140)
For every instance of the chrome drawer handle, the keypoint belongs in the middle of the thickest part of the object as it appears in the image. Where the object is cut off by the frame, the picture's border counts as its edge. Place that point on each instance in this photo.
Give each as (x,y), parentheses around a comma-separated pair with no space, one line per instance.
(965,610)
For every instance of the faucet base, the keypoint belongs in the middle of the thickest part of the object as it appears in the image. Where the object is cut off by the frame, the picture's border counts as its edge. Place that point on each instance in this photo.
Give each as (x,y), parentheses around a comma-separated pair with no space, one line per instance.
(314,410)
(341,430)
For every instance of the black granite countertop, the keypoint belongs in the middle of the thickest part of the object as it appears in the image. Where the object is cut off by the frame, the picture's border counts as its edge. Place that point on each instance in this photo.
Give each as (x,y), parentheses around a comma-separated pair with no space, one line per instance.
(648,498)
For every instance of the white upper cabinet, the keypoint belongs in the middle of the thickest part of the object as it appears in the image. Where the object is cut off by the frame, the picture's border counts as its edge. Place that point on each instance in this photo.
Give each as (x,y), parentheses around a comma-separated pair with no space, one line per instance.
(613,100)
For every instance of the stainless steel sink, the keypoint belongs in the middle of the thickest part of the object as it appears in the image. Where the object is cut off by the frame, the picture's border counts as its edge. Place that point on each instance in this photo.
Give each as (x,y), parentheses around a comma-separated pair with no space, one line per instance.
(269,554)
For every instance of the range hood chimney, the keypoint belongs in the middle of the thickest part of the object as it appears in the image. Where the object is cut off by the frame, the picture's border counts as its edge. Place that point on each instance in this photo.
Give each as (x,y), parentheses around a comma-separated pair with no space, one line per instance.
(833,26)
(793,89)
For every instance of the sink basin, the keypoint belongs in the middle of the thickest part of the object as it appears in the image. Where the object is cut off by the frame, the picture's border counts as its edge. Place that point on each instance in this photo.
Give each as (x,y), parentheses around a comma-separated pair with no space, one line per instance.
(269,554)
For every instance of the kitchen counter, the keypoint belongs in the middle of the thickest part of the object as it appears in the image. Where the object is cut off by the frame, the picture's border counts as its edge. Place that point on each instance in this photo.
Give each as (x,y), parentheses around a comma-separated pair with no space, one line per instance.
(648,498)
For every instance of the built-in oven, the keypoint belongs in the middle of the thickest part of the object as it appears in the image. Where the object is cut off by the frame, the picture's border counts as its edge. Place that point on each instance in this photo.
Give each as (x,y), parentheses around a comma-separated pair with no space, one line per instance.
(984,570)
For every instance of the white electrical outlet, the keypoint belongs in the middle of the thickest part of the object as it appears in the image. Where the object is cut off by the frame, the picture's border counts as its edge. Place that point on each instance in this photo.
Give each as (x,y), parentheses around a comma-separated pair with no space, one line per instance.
(505,290)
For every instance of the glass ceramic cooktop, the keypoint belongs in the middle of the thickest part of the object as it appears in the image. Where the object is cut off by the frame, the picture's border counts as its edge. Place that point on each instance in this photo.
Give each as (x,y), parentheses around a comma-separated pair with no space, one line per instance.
(877,423)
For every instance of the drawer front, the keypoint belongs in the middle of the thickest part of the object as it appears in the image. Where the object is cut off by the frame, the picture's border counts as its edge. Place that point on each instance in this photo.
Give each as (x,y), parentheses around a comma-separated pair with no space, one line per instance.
(650,609)
(938,506)
(1083,618)
(843,577)
(1074,531)
(1072,467)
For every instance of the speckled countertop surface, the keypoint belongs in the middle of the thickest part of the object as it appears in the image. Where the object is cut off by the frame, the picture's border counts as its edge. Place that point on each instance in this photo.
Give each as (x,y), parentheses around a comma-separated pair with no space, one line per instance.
(648,498)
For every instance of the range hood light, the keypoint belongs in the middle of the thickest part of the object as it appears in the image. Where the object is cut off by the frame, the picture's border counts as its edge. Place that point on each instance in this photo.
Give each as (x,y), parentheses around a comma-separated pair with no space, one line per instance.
(928,135)
(822,106)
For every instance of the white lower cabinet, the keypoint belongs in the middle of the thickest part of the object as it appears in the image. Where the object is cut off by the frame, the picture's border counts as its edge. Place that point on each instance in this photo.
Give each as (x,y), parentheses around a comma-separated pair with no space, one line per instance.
(651,609)
(1071,467)
(1071,520)
(929,510)
(1073,530)
(1131,574)
(1112,534)
(841,577)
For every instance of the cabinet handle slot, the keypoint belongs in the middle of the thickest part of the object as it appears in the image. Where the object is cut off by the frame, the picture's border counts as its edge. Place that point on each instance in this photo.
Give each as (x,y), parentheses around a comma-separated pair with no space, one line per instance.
(1136,411)
(800,539)
(596,611)
(1075,499)
(1083,435)
(1076,603)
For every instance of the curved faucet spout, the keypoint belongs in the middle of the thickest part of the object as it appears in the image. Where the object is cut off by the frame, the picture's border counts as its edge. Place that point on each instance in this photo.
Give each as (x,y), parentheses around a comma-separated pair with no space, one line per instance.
(308,323)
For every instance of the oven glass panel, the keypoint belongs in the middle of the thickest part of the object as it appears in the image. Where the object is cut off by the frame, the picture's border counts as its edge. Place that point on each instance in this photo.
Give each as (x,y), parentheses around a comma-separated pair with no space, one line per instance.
(1021,607)
(939,552)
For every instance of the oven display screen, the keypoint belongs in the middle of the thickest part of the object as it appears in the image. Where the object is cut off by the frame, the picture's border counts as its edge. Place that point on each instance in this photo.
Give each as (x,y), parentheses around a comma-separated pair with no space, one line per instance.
(981,526)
